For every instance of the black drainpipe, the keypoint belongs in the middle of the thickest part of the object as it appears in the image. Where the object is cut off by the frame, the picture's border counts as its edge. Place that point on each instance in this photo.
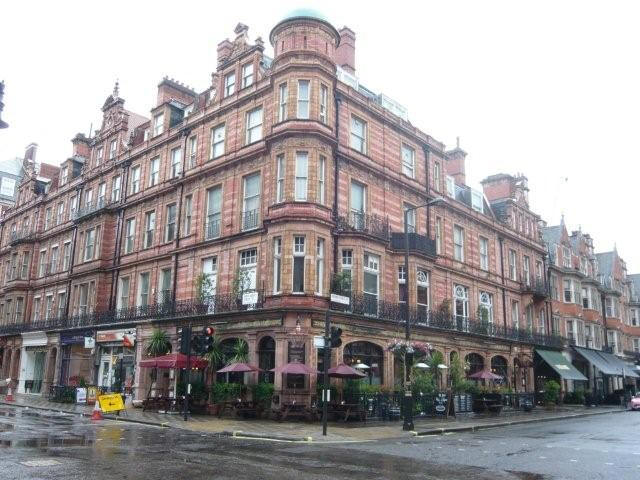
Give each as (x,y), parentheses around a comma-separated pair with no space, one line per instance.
(334,233)
(504,296)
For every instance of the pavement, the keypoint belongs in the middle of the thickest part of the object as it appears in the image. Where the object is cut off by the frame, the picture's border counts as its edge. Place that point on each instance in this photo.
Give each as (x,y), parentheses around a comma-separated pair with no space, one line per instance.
(40,444)
(338,432)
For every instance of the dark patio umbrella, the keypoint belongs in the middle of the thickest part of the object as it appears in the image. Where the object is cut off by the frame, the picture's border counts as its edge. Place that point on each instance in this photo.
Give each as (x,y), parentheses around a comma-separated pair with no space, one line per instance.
(345,371)
(485,375)
(238,367)
(173,360)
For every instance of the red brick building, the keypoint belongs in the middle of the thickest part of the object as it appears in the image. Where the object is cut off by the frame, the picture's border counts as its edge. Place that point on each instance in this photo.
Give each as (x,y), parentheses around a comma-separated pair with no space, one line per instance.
(283,173)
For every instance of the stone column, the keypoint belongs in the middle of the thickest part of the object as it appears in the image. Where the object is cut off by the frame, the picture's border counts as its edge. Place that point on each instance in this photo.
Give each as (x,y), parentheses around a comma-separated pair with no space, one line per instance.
(252,344)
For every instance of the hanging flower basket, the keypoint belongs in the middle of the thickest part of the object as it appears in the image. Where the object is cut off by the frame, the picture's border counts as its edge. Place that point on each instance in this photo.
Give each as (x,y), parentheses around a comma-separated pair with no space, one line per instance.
(402,347)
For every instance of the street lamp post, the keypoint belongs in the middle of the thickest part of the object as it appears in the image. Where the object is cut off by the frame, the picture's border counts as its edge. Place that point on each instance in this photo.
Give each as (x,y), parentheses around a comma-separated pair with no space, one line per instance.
(408,397)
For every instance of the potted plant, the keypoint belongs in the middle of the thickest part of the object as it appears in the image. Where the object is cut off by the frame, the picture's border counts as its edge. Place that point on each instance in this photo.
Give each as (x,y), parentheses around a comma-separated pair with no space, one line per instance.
(158,345)
(551,394)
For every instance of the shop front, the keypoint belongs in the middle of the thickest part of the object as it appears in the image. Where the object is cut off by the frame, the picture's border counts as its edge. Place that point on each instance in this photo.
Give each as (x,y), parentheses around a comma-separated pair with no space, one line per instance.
(76,366)
(115,355)
(33,359)
(554,365)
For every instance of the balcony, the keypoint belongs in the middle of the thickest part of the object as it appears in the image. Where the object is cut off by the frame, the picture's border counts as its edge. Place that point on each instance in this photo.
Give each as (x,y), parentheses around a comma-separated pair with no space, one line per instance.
(211,305)
(91,209)
(212,229)
(250,220)
(21,236)
(421,316)
(417,243)
(358,222)
(535,286)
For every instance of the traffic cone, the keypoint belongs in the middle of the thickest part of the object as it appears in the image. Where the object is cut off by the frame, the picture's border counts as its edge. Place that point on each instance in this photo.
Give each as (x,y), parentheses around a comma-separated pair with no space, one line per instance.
(97,413)
(9,396)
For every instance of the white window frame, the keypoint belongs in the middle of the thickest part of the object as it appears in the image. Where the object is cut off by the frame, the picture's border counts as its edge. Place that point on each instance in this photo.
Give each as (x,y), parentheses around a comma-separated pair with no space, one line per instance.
(483,248)
(130,235)
(229,84)
(408,155)
(358,139)
(116,185)
(277,265)
(302,176)
(188,212)
(283,91)
(280,173)
(218,135)
(247,75)
(324,97)
(149,228)
(135,179)
(458,243)
(158,124)
(169,222)
(142,296)
(304,104)
(176,162)
(253,126)
(322,164)
(477,201)
(154,171)
(299,249)
(451,186)
(319,266)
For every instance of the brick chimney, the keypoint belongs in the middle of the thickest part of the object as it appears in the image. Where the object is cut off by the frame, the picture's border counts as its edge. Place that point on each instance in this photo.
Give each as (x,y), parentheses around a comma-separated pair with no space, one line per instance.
(81,146)
(498,187)
(455,164)
(346,51)
(224,50)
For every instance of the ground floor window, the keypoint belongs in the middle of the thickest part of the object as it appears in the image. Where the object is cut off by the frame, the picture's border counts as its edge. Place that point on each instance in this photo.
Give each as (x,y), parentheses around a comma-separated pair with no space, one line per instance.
(366,354)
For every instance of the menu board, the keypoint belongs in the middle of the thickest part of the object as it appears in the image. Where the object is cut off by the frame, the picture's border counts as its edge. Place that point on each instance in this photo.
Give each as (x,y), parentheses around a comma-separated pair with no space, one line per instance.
(441,403)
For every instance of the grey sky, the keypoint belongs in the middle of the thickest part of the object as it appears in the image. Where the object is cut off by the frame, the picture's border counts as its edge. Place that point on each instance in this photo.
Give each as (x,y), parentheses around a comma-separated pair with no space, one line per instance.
(547,88)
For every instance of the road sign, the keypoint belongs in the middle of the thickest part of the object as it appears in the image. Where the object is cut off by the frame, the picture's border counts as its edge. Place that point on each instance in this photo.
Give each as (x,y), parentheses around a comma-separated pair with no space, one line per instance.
(89,342)
(340,299)
(111,403)
(318,341)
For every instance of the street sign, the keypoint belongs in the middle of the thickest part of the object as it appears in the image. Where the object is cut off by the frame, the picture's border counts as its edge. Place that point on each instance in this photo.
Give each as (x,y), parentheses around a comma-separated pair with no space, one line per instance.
(81,395)
(111,403)
(318,341)
(250,298)
(89,342)
(335,298)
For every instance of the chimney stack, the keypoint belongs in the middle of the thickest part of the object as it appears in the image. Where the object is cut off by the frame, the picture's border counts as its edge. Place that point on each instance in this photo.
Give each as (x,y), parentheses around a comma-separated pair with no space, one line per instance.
(81,146)
(346,51)
(455,164)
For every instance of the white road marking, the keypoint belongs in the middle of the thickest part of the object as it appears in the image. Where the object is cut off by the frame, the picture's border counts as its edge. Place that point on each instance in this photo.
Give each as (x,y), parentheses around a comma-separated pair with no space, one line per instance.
(44,462)
(608,463)
(572,460)
(461,449)
(542,458)
(486,451)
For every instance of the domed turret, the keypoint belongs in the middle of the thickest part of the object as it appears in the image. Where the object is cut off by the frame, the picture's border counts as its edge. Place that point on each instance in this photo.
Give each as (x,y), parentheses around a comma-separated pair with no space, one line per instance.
(304,29)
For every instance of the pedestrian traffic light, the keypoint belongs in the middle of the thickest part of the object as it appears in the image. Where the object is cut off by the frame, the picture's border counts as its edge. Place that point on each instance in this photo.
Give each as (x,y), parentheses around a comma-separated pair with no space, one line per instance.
(207,337)
(336,333)
(185,334)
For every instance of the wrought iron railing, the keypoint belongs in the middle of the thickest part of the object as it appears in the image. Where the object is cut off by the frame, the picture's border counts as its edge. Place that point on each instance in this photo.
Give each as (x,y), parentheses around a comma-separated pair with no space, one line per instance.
(214,304)
(417,242)
(370,306)
(212,229)
(374,225)
(250,219)
(22,235)
(90,209)
(536,286)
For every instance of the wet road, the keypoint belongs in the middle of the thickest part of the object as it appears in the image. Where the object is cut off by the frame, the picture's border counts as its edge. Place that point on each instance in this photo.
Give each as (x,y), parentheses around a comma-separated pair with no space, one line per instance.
(43,445)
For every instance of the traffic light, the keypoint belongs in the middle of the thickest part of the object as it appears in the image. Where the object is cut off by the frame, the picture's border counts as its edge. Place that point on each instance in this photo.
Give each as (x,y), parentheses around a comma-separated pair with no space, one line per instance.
(336,333)
(185,333)
(207,337)
(196,344)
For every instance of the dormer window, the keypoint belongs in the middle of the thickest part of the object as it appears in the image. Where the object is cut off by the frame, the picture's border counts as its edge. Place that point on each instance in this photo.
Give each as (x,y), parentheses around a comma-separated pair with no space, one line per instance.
(145,135)
(451,186)
(64,174)
(112,150)
(229,84)
(477,202)
(158,124)
(247,75)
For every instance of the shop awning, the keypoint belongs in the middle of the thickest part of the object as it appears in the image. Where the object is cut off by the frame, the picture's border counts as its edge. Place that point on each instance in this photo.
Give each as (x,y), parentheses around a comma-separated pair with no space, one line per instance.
(597,359)
(560,364)
(621,367)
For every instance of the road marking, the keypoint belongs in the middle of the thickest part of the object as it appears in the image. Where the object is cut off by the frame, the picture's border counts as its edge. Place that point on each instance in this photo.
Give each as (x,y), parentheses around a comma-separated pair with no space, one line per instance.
(576,449)
(572,460)
(438,447)
(605,451)
(542,458)
(608,463)
(461,449)
(44,462)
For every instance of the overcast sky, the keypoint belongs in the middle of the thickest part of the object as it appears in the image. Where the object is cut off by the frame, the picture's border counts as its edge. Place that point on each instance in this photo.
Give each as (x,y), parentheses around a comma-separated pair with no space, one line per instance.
(546,88)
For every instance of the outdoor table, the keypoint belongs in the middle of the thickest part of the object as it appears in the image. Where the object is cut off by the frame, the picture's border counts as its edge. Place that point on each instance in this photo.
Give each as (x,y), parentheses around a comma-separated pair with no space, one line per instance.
(295,409)
(491,405)
(348,410)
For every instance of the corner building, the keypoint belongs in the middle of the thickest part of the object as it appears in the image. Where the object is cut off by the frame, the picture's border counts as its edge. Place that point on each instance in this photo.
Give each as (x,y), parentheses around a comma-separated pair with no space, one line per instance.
(283,173)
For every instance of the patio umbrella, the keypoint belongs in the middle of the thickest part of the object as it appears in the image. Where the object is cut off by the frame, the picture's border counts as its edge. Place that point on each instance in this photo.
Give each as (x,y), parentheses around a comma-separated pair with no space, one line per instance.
(345,371)
(238,367)
(422,365)
(485,375)
(294,368)
(361,366)
(173,360)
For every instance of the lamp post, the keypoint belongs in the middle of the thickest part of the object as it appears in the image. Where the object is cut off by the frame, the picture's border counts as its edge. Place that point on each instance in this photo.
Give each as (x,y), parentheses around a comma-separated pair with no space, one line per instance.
(408,397)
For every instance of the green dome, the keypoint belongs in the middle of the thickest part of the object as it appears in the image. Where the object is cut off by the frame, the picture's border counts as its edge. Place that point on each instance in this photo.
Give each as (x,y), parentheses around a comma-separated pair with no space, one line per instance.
(305,13)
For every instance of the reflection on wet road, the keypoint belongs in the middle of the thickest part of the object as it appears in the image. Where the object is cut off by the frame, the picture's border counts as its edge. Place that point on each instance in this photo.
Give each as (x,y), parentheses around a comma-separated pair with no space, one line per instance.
(37,444)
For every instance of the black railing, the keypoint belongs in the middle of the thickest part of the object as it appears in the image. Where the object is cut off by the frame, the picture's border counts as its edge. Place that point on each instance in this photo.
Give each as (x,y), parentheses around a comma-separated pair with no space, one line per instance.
(22,235)
(250,219)
(212,229)
(361,222)
(90,209)
(417,242)
(370,306)
(214,304)
(535,286)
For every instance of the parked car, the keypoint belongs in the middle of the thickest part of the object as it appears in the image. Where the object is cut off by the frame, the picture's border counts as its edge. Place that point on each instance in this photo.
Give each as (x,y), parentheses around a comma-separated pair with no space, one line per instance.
(634,402)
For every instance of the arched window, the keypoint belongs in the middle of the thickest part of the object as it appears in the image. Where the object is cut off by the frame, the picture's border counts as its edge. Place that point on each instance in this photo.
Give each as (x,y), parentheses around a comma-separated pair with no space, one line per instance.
(476,363)
(499,366)
(266,358)
(368,354)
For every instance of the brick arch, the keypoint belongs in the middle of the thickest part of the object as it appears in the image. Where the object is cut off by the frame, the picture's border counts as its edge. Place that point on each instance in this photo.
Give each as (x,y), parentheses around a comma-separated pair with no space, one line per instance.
(500,364)
(474,359)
